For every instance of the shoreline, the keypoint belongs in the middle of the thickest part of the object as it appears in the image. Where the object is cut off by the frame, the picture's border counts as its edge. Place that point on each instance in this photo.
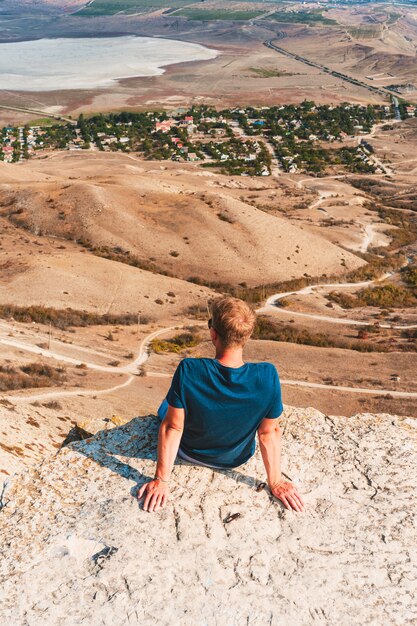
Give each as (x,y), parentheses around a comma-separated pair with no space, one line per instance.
(152,66)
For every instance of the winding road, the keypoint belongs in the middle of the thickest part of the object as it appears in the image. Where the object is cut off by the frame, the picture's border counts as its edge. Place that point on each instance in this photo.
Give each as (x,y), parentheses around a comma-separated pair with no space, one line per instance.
(132,368)
(271,304)
(369,236)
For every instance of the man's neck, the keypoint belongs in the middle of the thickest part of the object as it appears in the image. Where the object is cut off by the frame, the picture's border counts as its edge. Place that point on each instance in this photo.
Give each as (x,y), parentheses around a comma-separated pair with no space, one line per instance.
(230,357)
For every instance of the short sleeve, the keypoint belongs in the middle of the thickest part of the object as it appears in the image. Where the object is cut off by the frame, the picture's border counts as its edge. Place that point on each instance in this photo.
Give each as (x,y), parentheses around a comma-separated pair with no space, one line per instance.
(276,407)
(174,395)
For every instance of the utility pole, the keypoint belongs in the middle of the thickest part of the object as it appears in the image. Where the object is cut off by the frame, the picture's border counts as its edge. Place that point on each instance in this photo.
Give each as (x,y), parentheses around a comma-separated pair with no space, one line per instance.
(138,319)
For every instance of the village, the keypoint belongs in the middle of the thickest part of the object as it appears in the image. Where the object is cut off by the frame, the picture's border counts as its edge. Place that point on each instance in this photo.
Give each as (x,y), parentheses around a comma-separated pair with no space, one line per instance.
(304,138)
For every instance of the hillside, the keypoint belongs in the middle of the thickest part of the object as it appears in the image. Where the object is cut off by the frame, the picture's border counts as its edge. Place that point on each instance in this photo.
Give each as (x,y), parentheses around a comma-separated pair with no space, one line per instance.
(170,215)
(76,548)
(68,278)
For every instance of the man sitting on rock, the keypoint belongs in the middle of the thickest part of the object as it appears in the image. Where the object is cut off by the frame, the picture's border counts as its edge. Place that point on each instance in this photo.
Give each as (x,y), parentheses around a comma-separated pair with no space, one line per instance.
(215,407)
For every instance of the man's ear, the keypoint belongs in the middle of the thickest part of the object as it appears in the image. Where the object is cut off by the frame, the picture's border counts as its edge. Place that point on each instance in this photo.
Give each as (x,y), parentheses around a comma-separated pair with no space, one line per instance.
(213,334)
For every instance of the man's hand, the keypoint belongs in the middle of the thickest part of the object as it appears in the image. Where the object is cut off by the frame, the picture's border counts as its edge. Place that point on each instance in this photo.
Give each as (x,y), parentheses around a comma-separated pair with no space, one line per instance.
(156,495)
(288,494)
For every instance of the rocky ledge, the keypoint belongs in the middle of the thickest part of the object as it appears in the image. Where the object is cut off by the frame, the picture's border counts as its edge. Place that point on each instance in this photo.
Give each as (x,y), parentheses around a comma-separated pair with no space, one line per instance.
(76,547)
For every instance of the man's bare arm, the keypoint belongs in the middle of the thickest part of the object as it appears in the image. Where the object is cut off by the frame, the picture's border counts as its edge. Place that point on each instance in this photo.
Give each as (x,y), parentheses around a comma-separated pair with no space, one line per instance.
(170,432)
(269,433)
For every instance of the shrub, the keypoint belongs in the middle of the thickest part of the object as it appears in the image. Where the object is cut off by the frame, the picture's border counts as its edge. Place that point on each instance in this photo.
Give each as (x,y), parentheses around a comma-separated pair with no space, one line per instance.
(384,296)
(175,344)
(409,275)
(63,318)
(273,331)
(53,404)
(225,218)
(30,376)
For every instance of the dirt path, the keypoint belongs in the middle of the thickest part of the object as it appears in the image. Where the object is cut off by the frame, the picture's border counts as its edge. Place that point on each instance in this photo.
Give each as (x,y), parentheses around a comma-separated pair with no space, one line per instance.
(368,238)
(271,304)
(396,394)
(132,368)
(304,383)
(64,394)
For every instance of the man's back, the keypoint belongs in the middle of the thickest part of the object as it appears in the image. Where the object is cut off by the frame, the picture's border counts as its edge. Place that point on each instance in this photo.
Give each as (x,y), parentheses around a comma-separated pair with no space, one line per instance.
(223,407)
(215,407)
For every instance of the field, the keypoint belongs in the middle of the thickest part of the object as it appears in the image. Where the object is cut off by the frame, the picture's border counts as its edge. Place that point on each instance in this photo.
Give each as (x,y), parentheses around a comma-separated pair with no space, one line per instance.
(111,7)
(264,72)
(303,17)
(218,14)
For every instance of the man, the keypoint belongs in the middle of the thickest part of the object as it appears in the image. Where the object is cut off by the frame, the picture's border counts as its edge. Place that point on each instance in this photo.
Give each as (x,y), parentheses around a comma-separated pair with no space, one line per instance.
(215,407)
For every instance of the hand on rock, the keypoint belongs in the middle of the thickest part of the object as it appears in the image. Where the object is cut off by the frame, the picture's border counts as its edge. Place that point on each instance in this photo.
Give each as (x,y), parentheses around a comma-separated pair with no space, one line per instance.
(288,494)
(155,494)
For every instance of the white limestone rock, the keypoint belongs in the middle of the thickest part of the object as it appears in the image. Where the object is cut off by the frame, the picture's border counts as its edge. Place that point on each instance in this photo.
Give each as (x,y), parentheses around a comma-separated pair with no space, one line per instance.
(76,547)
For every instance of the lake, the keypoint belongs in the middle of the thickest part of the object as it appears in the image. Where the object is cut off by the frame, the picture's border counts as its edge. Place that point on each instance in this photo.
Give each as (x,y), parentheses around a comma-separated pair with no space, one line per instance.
(85,63)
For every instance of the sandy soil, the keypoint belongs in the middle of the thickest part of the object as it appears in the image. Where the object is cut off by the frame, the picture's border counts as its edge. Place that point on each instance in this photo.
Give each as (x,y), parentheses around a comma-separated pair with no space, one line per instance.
(396,146)
(45,271)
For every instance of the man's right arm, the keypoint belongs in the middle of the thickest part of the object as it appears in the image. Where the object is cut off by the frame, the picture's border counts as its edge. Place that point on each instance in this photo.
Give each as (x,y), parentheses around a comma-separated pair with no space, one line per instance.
(269,434)
(156,492)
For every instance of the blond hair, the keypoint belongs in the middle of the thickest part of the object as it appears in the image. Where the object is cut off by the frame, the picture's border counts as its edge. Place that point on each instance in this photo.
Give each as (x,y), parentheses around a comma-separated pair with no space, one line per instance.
(233,319)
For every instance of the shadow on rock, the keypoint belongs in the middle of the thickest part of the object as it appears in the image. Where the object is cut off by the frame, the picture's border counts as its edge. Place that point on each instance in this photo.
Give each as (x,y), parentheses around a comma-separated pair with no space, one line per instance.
(138,439)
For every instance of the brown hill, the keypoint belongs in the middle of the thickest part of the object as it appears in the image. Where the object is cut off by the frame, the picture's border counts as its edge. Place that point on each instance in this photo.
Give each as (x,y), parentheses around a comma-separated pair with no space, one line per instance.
(170,216)
(43,271)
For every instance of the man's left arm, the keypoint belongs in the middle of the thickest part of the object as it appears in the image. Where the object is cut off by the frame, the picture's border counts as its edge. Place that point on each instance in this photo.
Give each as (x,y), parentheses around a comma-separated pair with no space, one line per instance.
(156,492)
(270,436)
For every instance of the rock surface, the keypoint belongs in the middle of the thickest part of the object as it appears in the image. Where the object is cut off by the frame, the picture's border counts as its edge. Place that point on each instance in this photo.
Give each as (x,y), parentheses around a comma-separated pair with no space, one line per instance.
(76,548)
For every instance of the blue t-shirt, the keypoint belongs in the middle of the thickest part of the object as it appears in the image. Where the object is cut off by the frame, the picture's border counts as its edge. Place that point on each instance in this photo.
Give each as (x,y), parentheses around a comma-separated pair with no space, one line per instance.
(224,407)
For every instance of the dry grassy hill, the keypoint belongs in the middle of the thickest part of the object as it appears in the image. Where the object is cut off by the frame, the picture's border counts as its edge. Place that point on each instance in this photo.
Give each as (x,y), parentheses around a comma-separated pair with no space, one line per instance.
(170,216)
(45,271)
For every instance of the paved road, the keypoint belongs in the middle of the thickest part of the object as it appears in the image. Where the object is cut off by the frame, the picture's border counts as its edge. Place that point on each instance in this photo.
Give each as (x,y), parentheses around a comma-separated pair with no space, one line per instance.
(327,70)
(40,113)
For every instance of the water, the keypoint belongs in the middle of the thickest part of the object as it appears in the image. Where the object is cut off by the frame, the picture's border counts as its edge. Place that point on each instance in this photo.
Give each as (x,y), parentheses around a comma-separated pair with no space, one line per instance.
(85,63)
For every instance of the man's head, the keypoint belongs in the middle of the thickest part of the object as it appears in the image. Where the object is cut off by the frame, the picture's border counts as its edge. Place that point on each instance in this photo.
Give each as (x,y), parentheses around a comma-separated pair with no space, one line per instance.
(233,320)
